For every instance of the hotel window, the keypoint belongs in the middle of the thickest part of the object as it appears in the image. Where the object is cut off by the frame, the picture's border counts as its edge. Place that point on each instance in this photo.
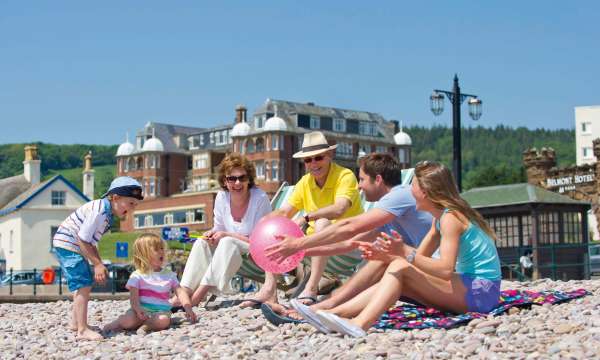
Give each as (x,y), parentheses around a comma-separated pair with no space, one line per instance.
(259,121)
(152,187)
(315,122)
(588,152)
(586,128)
(201,161)
(343,149)
(158,187)
(275,142)
(250,146)
(243,146)
(58,198)
(363,128)
(195,215)
(260,145)
(148,220)
(212,137)
(366,149)
(339,124)
(381,149)
(373,129)
(168,218)
(403,155)
(275,171)
(260,169)
(136,222)
(152,161)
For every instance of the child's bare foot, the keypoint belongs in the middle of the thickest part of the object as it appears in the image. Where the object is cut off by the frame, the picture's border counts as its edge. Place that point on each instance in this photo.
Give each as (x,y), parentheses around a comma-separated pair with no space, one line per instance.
(113,326)
(175,301)
(143,330)
(89,334)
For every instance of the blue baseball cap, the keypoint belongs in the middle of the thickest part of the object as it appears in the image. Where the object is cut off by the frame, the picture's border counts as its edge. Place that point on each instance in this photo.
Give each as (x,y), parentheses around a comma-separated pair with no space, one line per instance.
(125,186)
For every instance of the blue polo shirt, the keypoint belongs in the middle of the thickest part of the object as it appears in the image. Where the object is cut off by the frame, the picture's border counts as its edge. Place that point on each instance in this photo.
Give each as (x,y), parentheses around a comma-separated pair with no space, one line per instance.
(413,225)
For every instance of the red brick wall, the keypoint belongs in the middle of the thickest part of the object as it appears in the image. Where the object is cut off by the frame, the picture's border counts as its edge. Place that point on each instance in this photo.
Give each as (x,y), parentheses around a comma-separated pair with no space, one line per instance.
(206,198)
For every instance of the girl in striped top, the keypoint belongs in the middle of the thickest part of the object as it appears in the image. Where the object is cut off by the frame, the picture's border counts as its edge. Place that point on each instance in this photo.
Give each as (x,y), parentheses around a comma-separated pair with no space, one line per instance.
(150,287)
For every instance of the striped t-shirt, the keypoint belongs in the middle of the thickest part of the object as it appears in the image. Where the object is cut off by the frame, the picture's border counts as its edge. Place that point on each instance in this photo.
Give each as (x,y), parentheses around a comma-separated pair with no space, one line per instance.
(154,289)
(88,223)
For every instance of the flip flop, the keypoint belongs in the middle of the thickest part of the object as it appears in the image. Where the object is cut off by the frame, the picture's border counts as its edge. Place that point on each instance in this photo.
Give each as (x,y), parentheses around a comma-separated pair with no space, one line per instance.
(255,304)
(310,316)
(310,300)
(277,319)
(340,325)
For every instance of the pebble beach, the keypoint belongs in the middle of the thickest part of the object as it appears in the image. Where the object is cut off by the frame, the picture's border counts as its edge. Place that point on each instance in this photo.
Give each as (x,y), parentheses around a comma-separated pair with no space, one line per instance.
(565,331)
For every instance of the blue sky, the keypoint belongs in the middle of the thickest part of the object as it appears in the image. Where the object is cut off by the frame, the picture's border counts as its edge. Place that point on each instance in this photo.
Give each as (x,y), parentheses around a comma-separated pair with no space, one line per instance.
(87,72)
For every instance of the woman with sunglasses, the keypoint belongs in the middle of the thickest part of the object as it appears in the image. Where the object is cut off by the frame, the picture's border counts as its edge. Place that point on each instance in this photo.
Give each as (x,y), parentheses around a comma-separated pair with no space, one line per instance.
(238,207)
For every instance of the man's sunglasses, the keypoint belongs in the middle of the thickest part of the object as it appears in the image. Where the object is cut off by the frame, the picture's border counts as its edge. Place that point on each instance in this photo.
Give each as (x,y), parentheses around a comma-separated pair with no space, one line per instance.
(232,179)
(308,160)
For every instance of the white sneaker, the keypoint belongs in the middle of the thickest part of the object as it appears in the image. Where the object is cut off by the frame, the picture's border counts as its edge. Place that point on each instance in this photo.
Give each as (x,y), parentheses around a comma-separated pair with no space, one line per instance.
(340,325)
(309,315)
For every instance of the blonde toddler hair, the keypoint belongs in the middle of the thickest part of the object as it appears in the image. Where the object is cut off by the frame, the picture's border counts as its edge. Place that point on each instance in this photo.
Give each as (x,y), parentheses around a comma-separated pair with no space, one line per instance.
(143,247)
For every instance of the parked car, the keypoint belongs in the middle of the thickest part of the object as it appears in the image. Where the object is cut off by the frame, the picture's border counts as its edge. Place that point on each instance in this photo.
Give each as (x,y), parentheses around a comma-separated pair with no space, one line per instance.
(594,254)
(22,278)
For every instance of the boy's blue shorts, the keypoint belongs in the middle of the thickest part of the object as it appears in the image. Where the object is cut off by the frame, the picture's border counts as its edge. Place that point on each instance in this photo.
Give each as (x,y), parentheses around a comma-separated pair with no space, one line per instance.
(75,268)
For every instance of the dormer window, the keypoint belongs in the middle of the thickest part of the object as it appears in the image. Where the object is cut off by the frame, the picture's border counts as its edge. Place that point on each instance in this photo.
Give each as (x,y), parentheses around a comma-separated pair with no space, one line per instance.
(58,198)
(339,125)
(315,122)
(259,121)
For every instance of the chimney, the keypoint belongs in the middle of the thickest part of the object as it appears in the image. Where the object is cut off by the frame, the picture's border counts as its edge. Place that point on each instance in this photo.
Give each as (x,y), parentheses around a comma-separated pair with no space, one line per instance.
(240,114)
(31,165)
(88,176)
(396,126)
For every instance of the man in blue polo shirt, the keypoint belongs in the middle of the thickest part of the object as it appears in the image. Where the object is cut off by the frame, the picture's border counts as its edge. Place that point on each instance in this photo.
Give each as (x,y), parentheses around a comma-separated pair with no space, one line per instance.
(379,179)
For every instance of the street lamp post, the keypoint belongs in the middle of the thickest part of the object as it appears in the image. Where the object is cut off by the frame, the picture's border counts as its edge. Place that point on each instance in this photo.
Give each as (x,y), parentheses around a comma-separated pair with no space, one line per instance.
(456,98)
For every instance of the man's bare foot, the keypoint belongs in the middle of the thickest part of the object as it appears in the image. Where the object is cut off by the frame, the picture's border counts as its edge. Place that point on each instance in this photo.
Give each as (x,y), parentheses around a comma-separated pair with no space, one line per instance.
(282,310)
(89,334)
(261,297)
(308,297)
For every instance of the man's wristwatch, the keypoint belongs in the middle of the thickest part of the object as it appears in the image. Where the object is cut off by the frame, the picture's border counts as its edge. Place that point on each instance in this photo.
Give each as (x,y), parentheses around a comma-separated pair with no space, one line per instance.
(411,257)
(306,218)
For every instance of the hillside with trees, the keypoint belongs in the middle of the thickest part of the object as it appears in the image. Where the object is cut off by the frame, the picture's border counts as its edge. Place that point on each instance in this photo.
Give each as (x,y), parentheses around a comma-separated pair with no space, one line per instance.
(491,156)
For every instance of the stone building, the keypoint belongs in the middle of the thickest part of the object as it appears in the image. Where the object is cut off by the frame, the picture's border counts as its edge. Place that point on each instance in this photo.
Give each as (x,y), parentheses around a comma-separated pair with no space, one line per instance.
(577,182)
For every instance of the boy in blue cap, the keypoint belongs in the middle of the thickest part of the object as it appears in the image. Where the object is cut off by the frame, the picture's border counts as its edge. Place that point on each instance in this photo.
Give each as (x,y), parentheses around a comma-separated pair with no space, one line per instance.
(75,244)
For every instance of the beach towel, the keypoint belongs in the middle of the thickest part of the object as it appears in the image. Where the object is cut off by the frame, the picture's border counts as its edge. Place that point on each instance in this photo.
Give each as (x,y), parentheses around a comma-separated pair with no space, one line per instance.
(410,316)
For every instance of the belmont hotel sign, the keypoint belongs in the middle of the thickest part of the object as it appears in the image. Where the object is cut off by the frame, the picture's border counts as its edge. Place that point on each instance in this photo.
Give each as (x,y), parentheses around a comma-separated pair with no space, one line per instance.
(568,183)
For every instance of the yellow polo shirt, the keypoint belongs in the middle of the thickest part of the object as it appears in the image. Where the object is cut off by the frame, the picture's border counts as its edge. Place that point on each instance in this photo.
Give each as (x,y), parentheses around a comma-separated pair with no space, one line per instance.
(340,182)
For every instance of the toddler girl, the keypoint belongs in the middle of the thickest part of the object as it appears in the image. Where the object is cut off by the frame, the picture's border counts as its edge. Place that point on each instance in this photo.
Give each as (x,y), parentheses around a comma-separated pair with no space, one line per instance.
(150,287)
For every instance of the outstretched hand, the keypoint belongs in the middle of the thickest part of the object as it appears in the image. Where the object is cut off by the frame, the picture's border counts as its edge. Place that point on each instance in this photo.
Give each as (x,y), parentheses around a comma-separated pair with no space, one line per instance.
(385,248)
(287,246)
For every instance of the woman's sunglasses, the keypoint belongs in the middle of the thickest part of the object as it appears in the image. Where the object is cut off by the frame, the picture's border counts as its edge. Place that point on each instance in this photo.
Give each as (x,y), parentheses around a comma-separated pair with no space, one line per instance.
(233,179)
(308,160)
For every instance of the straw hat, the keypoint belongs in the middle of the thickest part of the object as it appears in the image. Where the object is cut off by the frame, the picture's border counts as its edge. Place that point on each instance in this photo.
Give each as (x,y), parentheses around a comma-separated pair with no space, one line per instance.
(314,143)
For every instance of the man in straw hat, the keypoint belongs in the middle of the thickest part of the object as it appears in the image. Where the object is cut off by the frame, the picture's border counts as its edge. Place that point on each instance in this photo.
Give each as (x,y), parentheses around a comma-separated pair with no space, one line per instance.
(327,192)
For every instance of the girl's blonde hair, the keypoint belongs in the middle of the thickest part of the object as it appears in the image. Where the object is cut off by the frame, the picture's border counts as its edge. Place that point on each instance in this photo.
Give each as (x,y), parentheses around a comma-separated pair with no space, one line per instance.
(143,247)
(437,182)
